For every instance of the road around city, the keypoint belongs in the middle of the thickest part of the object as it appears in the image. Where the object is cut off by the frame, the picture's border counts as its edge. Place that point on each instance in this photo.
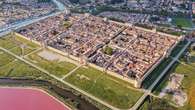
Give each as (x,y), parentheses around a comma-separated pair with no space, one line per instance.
(10,28)
(149,91)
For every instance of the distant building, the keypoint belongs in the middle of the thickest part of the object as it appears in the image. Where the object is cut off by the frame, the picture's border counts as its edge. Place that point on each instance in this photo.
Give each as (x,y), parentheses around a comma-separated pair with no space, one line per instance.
(193,46)
(193,7)
(178,1)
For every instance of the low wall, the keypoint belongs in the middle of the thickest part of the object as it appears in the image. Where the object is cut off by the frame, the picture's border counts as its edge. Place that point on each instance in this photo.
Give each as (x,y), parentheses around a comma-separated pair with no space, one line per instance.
(95,66)
(64,53)
(160,33)
(151,69)
(19,35)
(136,83)
(159,61)
(78,59)
(50,48)
(153,31)
(113,74)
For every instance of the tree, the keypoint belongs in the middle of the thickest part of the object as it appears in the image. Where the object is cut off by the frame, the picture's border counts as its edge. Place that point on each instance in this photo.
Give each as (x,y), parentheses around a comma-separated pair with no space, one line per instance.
(116,1)
(42,1)
(179,26)
(108,50)
(138,1)
(161,104)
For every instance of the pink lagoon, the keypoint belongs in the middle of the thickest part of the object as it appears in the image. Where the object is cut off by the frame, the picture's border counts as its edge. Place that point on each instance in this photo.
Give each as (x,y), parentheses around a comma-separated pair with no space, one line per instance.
(28,99)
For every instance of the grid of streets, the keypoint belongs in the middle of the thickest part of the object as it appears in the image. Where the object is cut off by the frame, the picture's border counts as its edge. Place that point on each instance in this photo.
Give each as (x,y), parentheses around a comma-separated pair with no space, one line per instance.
(133,50)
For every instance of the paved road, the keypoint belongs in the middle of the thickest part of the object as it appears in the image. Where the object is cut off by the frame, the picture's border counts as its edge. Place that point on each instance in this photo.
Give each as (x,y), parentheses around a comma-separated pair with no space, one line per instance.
(9,28)
(60,6)
(149,91)
(65,76)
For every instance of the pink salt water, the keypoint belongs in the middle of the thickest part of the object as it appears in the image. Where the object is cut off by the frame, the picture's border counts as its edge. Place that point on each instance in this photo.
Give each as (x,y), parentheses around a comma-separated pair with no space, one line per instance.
(28,99)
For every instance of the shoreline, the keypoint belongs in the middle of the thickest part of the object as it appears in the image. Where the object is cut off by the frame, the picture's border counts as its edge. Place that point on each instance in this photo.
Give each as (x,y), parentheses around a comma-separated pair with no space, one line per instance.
(63,93)
(39,89)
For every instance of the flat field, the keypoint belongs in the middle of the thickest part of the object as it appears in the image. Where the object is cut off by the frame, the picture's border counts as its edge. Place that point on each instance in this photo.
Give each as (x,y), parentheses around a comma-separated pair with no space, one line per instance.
(18,45)
(11,67)
(58,66)
(183,22)
(112,90)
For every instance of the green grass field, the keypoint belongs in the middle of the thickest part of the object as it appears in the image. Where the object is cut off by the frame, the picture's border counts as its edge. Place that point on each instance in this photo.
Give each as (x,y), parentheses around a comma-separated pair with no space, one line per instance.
(58,68)
(97,83)
(7,42)
(11,67)
(5,58)
(183,22)
(14,45)
(19,69)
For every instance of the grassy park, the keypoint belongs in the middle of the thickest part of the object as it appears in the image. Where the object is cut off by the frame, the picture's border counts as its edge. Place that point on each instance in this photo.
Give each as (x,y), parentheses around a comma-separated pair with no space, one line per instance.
(16,44)
(182,22)
(11,67)
(13,44)
(5,58)
(114,91)
(19,69)
(7,42)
